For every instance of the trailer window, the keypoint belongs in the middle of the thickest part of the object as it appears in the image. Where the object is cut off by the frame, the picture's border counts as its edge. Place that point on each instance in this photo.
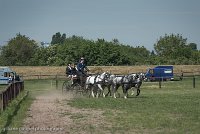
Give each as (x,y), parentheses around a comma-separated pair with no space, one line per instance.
(5,74)
(151,71)
(168,71)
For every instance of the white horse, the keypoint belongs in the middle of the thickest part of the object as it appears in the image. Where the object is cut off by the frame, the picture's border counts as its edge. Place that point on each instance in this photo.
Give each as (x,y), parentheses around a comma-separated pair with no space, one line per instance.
(96,82)
(110,83)
(117,81)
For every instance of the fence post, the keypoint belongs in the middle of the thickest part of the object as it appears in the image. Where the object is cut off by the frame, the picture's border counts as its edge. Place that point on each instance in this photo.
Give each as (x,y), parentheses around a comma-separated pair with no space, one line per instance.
(193,81)
(1,102)
(5,99)
(14,91)
(159,82)
(56,81)
(22,76)
(10,93)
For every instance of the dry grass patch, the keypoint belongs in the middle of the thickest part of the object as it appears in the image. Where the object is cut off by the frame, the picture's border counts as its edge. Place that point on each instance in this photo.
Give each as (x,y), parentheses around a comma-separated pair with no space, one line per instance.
(53,70)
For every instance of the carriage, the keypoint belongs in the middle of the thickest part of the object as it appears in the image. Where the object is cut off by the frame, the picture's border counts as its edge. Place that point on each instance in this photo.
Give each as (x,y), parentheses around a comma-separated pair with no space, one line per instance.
(88,85)
(94,85)
(75,85)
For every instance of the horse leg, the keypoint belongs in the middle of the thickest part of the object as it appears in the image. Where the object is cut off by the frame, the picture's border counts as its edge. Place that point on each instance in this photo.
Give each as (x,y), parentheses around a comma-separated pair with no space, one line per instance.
(138,91)
(115,90)
(86,87)
(109,92)
(95,91)
(125,91)
(132,91)
(112,92)
(92,91)
(125,95)
(101,89)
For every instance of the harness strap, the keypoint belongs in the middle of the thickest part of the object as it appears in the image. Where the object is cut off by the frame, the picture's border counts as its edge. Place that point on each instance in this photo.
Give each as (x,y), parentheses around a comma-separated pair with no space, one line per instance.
(131,81)
(122,79)
(95,79)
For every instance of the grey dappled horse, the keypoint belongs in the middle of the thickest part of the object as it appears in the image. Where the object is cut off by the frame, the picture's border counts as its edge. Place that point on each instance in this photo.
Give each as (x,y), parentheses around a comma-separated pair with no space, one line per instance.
(137,82)
(127,82)
(97,83)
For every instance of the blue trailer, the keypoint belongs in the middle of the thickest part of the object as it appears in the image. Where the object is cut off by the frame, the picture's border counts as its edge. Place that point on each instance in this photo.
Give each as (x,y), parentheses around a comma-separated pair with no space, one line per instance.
(7,75)
(160,73)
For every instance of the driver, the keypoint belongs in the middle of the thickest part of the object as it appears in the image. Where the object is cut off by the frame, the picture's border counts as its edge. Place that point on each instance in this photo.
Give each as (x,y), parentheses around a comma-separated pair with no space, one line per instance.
(81,67)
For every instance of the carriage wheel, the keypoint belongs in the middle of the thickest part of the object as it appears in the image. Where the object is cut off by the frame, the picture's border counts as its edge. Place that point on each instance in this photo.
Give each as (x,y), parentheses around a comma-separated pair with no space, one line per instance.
(85,92)
(76,88)
(66,86)
(117,94)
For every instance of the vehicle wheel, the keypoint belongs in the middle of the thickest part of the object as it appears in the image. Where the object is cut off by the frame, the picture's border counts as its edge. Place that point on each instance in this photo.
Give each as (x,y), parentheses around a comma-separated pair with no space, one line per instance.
(76,88)
(86,92)
(118,94)
(66,86)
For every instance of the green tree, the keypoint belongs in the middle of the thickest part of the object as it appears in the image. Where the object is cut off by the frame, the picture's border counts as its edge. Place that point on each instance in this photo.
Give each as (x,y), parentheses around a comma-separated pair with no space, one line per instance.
(169,45)
(19,51)
(193,46)
(58,38)
(173,49)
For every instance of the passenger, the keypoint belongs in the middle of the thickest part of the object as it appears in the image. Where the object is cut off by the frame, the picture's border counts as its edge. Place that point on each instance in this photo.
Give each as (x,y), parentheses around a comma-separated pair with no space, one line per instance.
(74,70)
(69,71)
(10,78)
(74,74)
(82,69)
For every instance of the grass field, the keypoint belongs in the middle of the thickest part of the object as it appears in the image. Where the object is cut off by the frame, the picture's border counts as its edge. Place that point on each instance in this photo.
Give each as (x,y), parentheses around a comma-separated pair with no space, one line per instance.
(2,87)
(173,108)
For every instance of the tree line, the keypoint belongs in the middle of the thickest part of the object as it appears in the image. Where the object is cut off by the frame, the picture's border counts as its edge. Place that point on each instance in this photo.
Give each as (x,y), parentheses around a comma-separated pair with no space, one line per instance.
(169,49)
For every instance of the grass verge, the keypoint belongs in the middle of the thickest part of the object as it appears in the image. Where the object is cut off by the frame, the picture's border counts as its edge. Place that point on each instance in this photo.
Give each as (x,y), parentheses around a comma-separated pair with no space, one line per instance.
(11,118)
(174,108)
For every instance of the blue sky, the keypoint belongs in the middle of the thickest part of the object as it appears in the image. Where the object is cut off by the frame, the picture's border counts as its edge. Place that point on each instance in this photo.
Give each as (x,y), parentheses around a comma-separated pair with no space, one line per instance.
(132,22)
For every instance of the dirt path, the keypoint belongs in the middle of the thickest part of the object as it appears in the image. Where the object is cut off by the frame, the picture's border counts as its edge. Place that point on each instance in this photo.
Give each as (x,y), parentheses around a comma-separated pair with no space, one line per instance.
(50,113)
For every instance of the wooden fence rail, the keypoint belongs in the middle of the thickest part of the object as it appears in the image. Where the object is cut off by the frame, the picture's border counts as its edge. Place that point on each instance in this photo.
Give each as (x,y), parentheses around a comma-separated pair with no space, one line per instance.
(10,93)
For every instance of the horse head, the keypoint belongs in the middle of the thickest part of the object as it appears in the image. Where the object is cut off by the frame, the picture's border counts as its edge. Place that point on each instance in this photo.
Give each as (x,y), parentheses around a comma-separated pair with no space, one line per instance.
(127,79)
(111,78)
(107,77)
(141,76)
(134,76)
(104,77)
